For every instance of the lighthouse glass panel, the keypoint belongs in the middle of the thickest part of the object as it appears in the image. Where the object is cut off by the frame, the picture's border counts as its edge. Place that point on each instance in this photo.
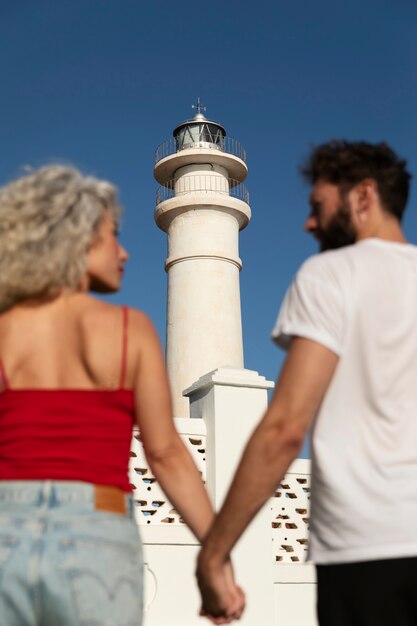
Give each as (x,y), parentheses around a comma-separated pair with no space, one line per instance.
(201,135)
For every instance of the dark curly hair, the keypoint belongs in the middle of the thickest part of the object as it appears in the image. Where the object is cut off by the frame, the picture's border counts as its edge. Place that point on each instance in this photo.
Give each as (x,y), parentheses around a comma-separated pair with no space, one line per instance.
(347,163)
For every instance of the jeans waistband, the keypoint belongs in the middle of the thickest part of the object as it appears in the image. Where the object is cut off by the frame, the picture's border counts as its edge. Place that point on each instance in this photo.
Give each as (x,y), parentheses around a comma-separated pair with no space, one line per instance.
(53,494)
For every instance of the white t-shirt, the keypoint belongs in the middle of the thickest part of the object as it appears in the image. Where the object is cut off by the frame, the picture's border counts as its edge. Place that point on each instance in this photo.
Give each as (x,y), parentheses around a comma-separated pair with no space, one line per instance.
(361,303)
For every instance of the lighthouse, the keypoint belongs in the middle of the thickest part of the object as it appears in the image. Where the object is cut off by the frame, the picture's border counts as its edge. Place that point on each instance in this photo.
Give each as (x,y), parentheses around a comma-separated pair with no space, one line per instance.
(202,205)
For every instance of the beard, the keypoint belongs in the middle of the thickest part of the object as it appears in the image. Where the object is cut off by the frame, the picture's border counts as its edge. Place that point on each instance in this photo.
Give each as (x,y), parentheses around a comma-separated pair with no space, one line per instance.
(339,232)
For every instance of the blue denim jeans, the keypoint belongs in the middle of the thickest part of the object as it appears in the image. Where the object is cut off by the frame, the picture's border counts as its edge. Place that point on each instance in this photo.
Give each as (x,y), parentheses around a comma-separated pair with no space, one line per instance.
(62,563)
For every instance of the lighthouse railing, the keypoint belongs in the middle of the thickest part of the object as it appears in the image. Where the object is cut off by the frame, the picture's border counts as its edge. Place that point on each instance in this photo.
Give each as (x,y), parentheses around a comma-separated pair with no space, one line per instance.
(201,184)
(226,144)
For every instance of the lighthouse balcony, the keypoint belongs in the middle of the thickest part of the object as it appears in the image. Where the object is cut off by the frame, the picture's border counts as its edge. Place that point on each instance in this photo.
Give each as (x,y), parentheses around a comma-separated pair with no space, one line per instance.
(227,153)
(201,185)
(223,144)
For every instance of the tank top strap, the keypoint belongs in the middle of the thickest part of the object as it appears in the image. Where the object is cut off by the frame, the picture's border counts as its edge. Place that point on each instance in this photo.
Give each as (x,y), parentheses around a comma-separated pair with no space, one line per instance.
(124,347)
(4,383)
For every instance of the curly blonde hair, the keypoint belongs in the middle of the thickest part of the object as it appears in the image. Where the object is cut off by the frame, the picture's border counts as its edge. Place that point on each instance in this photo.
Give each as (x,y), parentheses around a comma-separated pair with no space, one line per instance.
(48,220)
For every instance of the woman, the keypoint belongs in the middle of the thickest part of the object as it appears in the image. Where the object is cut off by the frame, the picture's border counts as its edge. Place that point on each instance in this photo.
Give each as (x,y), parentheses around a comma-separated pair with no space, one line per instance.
(76,373)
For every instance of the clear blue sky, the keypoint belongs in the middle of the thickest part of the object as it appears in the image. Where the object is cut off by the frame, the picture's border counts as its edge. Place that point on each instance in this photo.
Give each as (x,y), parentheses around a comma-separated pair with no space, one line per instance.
(100,83)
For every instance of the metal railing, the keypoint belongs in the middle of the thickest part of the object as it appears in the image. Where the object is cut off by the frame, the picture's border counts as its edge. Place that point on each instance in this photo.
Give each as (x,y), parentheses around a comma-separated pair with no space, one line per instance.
(226,144)
(202,184)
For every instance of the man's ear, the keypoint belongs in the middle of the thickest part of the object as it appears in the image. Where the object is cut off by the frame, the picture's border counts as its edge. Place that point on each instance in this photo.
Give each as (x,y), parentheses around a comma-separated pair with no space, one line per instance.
(363,197)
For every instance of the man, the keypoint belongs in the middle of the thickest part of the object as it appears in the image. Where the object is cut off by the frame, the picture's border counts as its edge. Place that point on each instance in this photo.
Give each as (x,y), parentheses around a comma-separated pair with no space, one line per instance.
(349,324)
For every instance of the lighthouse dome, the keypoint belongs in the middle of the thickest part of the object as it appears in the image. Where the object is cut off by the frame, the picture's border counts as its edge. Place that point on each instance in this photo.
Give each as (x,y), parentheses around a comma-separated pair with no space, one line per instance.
(199,132)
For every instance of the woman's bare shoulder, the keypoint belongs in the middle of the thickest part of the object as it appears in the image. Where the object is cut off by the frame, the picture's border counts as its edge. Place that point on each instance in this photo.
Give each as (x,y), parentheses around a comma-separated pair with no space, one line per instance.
(143,337)
(95,314)
(139,319)
(100,315)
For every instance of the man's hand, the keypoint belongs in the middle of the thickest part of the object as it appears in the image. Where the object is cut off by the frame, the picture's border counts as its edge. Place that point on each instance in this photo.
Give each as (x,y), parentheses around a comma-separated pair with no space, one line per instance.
(222,600)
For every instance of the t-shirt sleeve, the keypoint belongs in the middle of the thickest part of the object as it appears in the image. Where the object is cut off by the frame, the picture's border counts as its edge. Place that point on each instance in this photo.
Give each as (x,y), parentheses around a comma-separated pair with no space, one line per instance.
(313,308)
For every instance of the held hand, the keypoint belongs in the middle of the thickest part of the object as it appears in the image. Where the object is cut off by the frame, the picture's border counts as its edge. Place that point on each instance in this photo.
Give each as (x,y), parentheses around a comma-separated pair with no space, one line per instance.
(222,600)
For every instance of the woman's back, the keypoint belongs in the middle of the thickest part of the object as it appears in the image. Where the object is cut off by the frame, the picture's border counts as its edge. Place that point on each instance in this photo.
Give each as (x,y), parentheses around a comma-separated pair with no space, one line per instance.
(72,342)
(65,413)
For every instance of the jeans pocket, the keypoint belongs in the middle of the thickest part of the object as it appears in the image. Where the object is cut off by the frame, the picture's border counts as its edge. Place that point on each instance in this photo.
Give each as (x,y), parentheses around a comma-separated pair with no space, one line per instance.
(105,578)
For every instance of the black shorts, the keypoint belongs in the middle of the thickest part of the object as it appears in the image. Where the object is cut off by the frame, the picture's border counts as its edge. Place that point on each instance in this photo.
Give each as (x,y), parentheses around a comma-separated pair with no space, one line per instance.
(372,593)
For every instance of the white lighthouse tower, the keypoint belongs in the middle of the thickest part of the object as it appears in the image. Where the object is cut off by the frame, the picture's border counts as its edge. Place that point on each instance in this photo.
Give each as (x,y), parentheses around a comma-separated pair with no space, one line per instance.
(201,205)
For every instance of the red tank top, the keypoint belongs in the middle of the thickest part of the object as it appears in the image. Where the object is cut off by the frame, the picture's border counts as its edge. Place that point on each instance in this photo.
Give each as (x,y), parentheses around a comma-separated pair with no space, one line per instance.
(67,434)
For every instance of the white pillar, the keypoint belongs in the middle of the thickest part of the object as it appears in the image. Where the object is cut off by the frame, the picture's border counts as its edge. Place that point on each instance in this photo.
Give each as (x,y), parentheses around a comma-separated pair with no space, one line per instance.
(231,401)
